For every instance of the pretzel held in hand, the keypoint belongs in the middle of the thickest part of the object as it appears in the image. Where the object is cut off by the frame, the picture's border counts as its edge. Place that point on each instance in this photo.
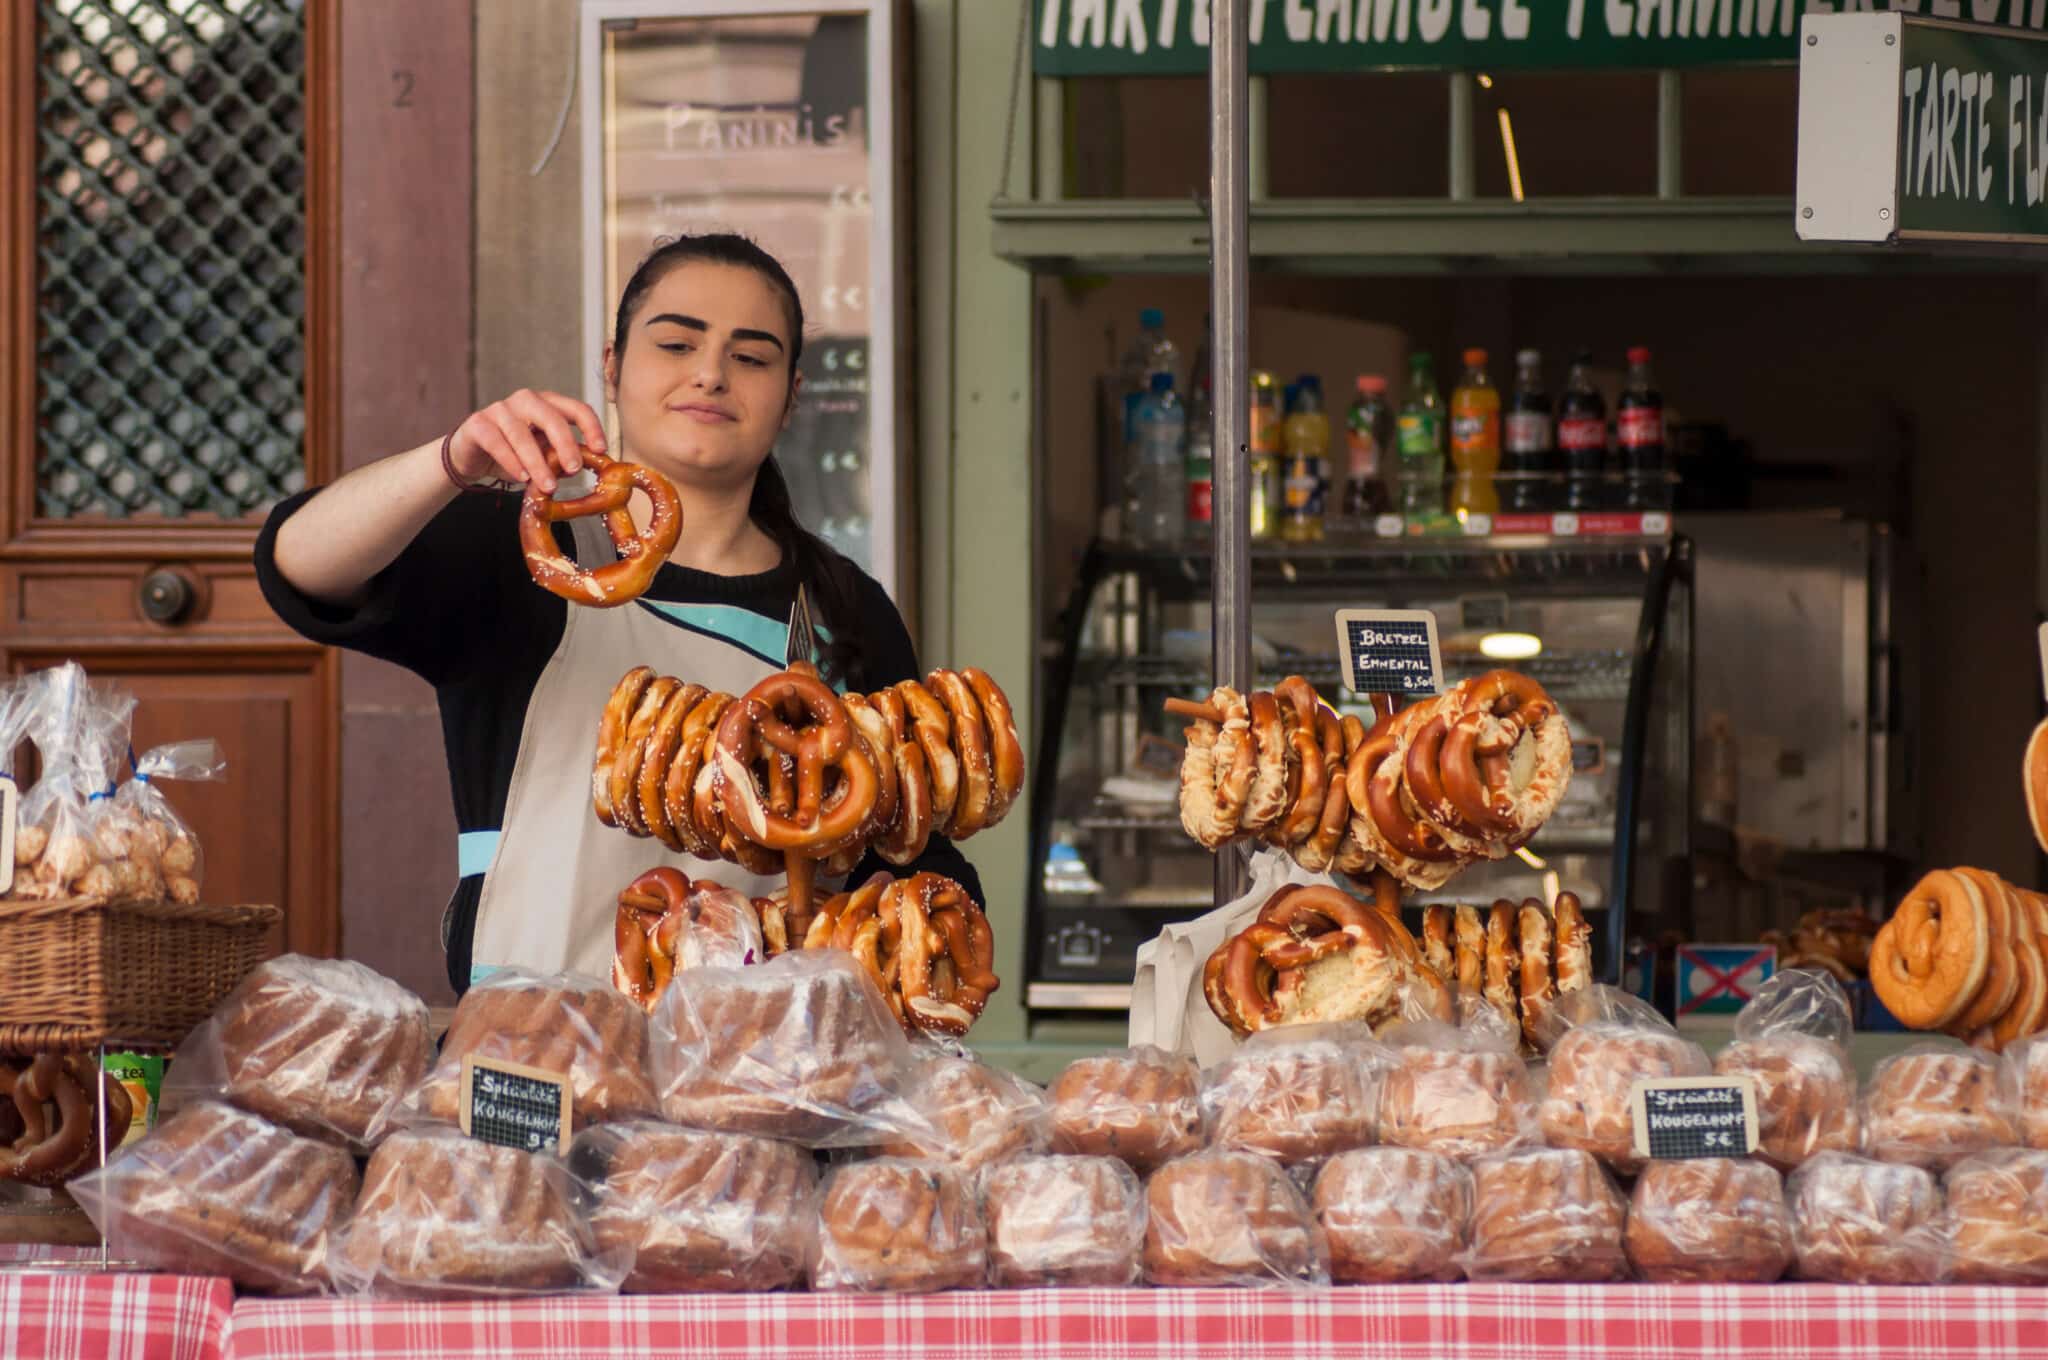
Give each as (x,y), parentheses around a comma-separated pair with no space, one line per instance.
(640,555)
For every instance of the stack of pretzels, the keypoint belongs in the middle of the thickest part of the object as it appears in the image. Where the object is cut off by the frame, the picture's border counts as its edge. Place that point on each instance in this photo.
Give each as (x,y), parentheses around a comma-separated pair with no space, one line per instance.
(923,939)
(790,775)
(1468,775)
(49,1124)
(1966,953)
(1520,960)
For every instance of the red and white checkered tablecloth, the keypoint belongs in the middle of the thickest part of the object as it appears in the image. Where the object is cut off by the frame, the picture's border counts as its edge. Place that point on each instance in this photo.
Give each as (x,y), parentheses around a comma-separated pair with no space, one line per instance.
(1470,1322)
(114,1317)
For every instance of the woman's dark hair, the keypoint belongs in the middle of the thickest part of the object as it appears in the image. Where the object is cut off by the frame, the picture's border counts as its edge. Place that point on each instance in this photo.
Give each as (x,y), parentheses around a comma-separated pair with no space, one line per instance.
(829,578)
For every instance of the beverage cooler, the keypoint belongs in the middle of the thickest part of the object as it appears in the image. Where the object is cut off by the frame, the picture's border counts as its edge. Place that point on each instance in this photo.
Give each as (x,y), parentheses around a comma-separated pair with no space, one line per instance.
(1605,621)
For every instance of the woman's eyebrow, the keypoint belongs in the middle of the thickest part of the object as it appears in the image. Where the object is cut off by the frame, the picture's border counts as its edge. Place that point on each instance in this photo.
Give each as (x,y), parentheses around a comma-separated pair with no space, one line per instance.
(695,324)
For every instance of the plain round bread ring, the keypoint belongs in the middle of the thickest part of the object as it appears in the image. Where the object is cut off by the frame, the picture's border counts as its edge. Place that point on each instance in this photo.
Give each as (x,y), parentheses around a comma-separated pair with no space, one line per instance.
(1928,961)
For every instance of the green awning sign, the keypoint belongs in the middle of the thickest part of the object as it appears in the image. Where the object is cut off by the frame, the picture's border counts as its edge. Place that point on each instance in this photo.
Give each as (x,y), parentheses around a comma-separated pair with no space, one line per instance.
(1171,37)
(1922,130)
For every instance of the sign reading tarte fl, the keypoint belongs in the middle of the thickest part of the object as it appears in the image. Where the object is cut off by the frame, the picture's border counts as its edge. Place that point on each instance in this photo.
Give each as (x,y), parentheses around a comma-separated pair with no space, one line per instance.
(1918,129)
(1694,1117)
(1171,37)
(515,1106)
(1389,651)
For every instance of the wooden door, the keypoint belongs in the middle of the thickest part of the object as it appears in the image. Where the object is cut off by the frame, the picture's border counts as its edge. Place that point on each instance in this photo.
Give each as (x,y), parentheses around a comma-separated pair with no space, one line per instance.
(166,292)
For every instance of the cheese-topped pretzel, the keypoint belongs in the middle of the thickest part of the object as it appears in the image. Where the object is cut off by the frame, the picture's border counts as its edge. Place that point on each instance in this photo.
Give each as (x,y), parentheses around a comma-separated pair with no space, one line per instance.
(611,735)
(1539,989)
(1268,796)
(1471,951)
(1503,962)
(1302,714)
(1574,945)
(1929,959)
(640,555)
(1496,782)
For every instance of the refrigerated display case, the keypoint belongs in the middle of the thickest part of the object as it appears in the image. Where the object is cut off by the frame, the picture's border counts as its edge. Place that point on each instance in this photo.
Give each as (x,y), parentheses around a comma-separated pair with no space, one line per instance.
(1612,621)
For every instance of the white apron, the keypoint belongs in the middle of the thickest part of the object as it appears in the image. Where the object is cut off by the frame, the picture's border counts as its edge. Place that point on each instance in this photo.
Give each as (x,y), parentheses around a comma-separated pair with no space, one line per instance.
(555,872)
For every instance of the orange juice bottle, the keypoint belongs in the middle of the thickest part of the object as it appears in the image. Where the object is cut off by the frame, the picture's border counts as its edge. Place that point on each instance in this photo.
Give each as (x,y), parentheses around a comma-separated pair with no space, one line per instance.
(1475,439)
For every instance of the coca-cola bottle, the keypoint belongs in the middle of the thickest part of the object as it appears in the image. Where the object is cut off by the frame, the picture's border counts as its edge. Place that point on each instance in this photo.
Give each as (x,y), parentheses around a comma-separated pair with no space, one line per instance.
(1639,420)
(1527,449)
(1582,435)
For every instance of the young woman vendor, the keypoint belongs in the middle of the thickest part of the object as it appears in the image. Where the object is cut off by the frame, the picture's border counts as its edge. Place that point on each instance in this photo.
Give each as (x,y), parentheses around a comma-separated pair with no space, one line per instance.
(395,561)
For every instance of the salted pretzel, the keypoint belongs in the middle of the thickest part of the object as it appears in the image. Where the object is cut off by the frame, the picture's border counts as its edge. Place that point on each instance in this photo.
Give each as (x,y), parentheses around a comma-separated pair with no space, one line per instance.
(904,839)
(871,729)
(970,743)
(933,728)
(658,756)
(1006,752)
(679,783)
(1422,773)
(639,971)
(625,797)
(960,971)
(1319,851)
(1302,716)
(611,735)
(1928,961)
(49,1151)
(640,555)
(825,743)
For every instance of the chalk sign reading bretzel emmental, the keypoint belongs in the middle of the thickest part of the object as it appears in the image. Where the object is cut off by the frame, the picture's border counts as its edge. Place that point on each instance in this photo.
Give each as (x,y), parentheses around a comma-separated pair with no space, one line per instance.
(1389,651)
(515,1106)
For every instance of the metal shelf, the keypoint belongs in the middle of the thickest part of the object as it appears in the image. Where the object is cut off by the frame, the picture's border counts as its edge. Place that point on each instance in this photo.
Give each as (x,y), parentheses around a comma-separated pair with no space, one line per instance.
(1612,236)
(1078,996)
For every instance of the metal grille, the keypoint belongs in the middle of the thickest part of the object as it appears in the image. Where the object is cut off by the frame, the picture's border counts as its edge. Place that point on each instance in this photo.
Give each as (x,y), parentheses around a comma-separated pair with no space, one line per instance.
(170,241)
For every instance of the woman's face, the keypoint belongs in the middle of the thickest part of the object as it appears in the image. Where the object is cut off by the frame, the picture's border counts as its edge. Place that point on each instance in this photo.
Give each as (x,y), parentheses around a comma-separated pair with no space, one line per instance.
(703,387)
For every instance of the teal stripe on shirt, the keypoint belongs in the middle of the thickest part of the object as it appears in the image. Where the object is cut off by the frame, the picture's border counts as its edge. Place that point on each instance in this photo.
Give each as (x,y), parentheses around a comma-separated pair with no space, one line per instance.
(756,633)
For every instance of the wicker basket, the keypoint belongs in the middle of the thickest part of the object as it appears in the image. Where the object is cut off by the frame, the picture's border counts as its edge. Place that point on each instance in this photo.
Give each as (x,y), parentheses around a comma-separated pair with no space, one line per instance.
(78,972)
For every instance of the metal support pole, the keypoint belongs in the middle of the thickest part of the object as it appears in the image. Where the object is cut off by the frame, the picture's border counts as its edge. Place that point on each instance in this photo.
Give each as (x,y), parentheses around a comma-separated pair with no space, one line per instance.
(1230,308)
(1261,156)
(1670,135)
(1461,136)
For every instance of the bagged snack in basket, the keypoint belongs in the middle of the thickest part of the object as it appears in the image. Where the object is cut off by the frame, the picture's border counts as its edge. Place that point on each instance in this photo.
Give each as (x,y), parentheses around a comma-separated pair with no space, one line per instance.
(324,1047)
(1057,1220)
(144,830)
(562,1022)
(217,1191)
(1611,1041)
(979,1115)
(801,1048)
(1937,1103)
(1394,1214)
(1297,1093)
(1997,1217)
(53,835)
(1713,1220)
(1792,1039)
(442,1215)
(899,1226)
(1143,1105)
(1220,1218)
(1461,1092)
(1856,1221)
(699,1212)
(121,862)
(1546,1214)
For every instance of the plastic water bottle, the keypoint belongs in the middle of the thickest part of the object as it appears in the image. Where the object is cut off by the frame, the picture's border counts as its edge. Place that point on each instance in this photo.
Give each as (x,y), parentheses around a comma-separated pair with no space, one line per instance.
(1149,353)
(1158,478)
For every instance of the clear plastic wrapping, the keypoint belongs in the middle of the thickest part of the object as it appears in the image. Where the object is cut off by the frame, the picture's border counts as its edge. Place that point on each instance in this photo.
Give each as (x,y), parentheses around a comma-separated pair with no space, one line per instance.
(978,1115)
(446,1216)
(324,1047)
(562,1022)
(1935,1104)
(1230,1218)
(1546,1214)
(1142,1105)
(213,1190)
(2026,1081)
(1460,1092)
(1792,1039)
(1798,1001)
(801,1048)
(1997,1217)
(53,846)
(1394,1214)
(1611,1041)
(144,833)
(899,1225)
(1297,1093)
(1058,1220)
(1856,1221)
(699,1211)
(1710,1220)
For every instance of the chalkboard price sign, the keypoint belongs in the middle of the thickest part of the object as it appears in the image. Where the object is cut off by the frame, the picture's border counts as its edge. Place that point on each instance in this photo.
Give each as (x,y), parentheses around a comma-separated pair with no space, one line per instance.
(514,1106)
(1683,1117)
(1389,651)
